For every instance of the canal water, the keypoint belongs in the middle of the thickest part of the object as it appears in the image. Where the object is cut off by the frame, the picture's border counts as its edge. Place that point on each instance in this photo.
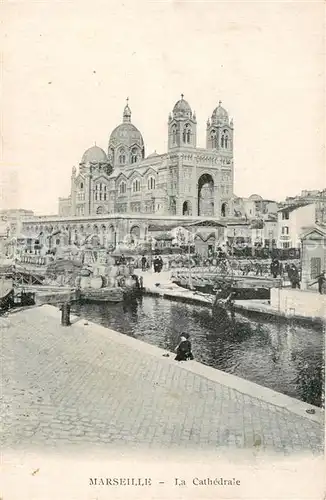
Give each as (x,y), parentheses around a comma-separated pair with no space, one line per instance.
(279,355)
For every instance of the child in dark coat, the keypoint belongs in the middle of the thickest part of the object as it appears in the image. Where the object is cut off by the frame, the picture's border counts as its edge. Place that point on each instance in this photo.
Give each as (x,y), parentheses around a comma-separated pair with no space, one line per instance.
(184,348)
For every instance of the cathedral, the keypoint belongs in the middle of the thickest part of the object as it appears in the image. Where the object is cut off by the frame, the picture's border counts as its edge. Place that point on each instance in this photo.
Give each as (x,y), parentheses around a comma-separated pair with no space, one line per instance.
(186,180)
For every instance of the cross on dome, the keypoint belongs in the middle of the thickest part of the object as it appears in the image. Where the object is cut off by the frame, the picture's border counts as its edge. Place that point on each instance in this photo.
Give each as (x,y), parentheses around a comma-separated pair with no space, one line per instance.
(219,103)
(182,96)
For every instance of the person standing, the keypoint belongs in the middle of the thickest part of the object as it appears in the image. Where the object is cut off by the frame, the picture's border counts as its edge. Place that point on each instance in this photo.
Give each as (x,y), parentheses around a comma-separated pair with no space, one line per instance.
(293,274)
(321,280)
(259,269)
(122,260)
(143,263)
(275,268)
(156,264)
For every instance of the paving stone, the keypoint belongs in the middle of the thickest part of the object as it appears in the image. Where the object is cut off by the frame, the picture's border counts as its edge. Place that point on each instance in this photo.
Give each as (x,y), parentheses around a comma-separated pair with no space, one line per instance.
(60,387)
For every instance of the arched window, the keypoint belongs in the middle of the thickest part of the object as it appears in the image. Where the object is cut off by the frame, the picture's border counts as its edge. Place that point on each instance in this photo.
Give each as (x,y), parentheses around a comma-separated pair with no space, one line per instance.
(174,135)
(223,209)
(136,186)
(81,185)
(99,210)
(213,138)
(186,135)
(100,192)
(225,141)
(122,156)
(151,183)
(134,155)
(122,187)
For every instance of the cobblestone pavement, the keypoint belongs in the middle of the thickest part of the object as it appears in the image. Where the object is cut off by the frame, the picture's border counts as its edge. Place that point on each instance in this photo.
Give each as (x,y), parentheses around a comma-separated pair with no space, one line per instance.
(75,386)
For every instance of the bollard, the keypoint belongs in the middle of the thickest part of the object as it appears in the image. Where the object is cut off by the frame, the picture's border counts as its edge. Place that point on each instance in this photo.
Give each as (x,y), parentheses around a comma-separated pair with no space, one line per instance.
(65,314)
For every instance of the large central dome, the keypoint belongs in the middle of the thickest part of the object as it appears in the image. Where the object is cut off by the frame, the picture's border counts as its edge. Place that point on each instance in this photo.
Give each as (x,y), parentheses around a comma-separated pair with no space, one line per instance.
(126,134)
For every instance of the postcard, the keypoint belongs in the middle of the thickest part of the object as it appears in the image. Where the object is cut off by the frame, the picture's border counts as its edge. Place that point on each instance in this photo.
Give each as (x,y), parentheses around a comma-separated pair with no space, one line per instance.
(162,250)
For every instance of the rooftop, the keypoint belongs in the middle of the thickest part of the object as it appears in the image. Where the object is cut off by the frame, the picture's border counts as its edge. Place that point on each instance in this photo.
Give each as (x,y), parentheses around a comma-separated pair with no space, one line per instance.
(291,208)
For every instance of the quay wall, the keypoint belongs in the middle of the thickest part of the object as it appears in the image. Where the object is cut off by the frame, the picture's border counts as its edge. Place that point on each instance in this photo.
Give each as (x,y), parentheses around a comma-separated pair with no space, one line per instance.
(298,302)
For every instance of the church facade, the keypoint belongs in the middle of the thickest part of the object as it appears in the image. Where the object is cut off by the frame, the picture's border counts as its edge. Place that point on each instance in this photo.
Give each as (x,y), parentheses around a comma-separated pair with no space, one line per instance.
(185,181)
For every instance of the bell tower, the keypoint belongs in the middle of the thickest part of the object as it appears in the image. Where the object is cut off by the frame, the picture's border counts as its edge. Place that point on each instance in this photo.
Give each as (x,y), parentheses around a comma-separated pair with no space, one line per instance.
(219,131)
(182,126)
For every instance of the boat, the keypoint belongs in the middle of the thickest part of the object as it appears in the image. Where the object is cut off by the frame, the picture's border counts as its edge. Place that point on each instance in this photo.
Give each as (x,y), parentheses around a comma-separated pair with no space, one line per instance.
(244,287)
(128,290)
(107,294)
(11,297)
(6,299)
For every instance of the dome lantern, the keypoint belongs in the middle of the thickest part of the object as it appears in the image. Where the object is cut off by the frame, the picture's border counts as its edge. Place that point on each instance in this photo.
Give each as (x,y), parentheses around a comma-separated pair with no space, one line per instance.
(127,113)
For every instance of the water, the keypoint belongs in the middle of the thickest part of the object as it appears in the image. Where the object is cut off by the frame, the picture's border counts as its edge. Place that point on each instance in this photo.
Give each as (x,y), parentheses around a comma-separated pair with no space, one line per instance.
(282,356)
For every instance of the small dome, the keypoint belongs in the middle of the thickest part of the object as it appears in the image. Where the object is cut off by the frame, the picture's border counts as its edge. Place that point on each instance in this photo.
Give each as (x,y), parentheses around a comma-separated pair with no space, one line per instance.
(220,114)
(94,155)
(182,107)
(152,154)
(255,197)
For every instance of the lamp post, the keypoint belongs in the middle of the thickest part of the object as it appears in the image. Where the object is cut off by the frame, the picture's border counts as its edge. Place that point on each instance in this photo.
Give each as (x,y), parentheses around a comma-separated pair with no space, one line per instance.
(190,238)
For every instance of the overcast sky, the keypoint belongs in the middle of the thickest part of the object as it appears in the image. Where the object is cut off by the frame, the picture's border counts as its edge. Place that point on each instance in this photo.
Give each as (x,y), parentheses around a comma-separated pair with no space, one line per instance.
(68,67)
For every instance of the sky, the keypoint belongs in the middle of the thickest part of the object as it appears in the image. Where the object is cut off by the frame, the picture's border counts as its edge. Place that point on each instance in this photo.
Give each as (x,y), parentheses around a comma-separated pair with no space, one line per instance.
(67,68)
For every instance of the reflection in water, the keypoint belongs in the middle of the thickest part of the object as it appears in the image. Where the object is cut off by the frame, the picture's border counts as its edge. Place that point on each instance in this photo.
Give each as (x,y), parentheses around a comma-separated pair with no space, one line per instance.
(283,356)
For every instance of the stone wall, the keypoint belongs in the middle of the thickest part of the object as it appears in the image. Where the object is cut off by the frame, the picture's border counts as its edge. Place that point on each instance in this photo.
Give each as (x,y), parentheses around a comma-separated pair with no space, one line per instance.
(299,302)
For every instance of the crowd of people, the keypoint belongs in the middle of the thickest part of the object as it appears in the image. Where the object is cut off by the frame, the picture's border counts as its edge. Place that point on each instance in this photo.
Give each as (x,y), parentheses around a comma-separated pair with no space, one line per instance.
(157,264)
(288,271)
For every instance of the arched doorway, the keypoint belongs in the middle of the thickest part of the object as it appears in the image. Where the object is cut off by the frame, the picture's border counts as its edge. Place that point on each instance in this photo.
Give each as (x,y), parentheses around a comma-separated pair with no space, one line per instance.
(206,195)
(186,208)
(135,234)
(111,236)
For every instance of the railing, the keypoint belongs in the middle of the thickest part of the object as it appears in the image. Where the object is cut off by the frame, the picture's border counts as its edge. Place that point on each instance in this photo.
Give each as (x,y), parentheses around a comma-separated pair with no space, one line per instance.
(33,259)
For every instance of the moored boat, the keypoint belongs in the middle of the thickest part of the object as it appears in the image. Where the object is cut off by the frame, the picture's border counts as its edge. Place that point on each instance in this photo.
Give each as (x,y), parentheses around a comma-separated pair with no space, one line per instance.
(107,294)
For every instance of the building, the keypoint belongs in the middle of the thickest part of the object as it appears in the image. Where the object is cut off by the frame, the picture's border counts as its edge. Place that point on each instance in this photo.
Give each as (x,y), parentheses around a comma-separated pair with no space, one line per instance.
(11,221)
(254,206)
(291,221)
(42,234)
(186,180)
(3,237)
(313,255)
(238,233)
(315,196)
